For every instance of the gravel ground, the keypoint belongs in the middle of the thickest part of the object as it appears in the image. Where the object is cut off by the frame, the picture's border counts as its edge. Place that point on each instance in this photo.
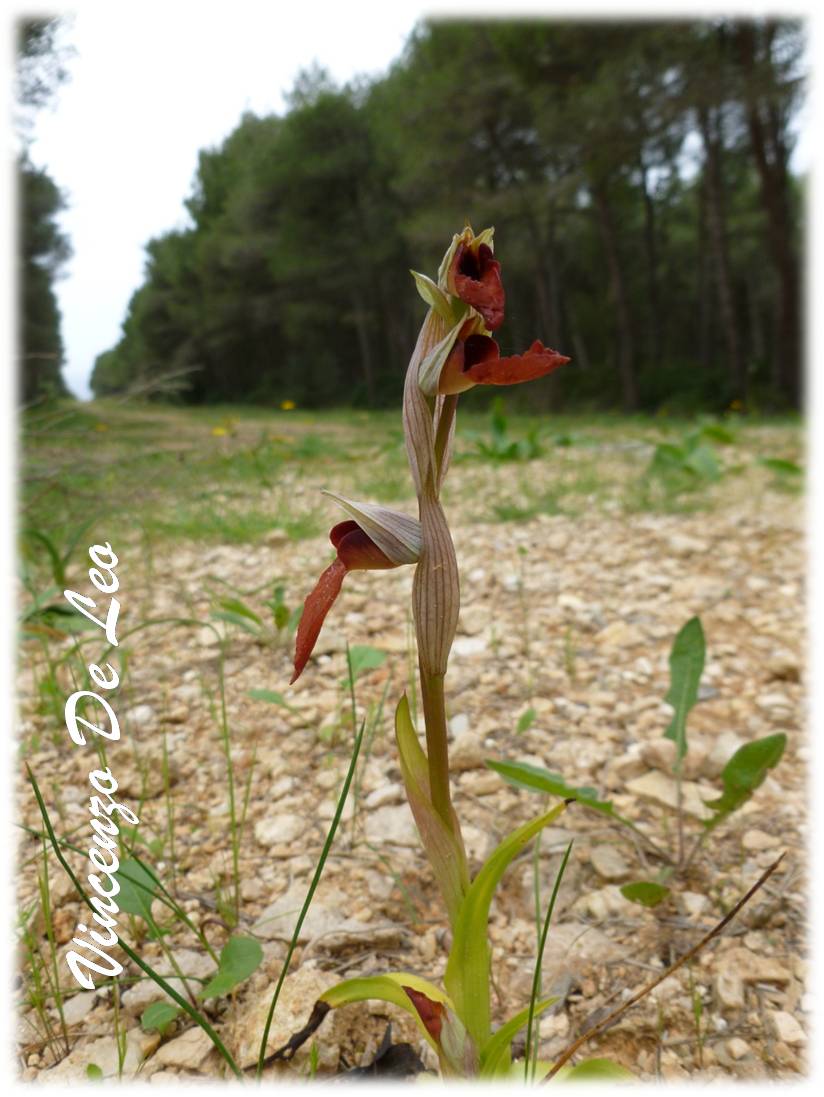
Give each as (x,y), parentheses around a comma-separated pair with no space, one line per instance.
(569,615)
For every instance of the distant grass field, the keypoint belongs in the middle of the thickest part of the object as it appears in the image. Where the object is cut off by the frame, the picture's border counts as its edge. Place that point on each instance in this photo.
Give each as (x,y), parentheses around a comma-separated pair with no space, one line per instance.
(235,474)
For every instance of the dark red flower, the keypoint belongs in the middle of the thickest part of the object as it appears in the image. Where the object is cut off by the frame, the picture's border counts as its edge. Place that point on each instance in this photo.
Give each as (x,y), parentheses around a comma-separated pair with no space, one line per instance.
(475,276)
(356,552)
(476,360)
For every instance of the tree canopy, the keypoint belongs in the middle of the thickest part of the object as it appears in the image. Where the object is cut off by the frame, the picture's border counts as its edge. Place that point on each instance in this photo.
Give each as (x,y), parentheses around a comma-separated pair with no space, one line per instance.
(637,175)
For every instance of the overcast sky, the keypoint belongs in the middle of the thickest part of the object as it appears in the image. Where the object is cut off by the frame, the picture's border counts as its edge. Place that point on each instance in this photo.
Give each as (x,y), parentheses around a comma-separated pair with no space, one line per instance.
(149,87)
(153,83)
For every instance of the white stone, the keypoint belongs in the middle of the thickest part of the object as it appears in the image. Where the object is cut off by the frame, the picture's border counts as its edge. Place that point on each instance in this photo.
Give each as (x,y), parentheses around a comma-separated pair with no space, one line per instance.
(609,862)
(663,790)
(785,1027)
(278,830)
(187,1051)
(392,825)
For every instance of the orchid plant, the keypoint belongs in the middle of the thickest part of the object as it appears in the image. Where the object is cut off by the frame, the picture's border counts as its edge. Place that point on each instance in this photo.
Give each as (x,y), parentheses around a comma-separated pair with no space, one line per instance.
(455,351)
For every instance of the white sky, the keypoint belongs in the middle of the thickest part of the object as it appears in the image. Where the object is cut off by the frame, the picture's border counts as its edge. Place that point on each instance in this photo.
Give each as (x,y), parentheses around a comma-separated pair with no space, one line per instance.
(148,89)
(153,83)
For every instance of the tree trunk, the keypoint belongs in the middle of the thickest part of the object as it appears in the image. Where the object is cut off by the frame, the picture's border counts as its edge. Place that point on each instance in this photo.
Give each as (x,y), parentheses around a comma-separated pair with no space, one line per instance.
(770,153)
(709,127)
(618,292)
(651,250)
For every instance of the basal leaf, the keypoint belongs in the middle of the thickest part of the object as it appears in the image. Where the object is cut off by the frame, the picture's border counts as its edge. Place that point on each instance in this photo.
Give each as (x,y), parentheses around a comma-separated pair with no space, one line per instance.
(239,957)
(744,772)
(525,775)
(686,666)
(645,892)
(467,969)
(495,1053)
(596,1070)
(388,988)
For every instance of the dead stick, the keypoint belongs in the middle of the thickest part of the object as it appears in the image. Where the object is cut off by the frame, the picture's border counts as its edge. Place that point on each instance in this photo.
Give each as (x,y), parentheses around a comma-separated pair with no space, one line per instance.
(611,1018)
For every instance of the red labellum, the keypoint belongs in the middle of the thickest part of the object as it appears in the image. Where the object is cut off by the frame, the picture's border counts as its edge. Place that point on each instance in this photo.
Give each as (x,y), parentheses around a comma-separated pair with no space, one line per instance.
(475,277)
(477,360)
(356,552)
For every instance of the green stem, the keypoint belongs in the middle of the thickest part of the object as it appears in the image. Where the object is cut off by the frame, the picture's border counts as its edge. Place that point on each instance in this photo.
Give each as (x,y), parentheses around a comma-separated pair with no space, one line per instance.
(437,753)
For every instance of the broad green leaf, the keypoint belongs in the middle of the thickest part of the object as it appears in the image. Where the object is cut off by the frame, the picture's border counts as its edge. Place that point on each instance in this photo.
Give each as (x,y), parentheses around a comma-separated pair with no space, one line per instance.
(388,988)
(444,848)
(744,772)
(158,1016)
(239,957)
(686,666)
(538,779)
(495,1052)
(363,658)
(94,1073)
(137,889)
(467,969)
(645,892)
(702,461)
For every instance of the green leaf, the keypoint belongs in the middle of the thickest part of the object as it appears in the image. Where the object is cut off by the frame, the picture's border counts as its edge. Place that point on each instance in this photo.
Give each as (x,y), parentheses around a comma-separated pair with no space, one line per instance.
(686,666)
(716,432)
(525,720)
(272,696)
(782,467)
(494,1053)
(467,969)
(239,957)
(388,988)
(158,1016)
(94,1073)
(538,779)
(137,889)
(363,658)
(596,1070)
(234,605)
(645,892)
(744,772)
(237,619)
(702,461)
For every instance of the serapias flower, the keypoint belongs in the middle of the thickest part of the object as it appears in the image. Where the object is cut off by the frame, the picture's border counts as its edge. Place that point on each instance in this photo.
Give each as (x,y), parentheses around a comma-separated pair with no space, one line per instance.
(374,540)
(474,276)
(467,356)
(477,360)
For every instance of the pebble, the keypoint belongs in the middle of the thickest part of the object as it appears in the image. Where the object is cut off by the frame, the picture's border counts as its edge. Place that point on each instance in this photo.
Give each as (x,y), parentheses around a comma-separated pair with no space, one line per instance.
(738,1048)
(785,1027)
(280,829)
(186,1052)
(663,790)
(392,825)
(609,863)
(756,840)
